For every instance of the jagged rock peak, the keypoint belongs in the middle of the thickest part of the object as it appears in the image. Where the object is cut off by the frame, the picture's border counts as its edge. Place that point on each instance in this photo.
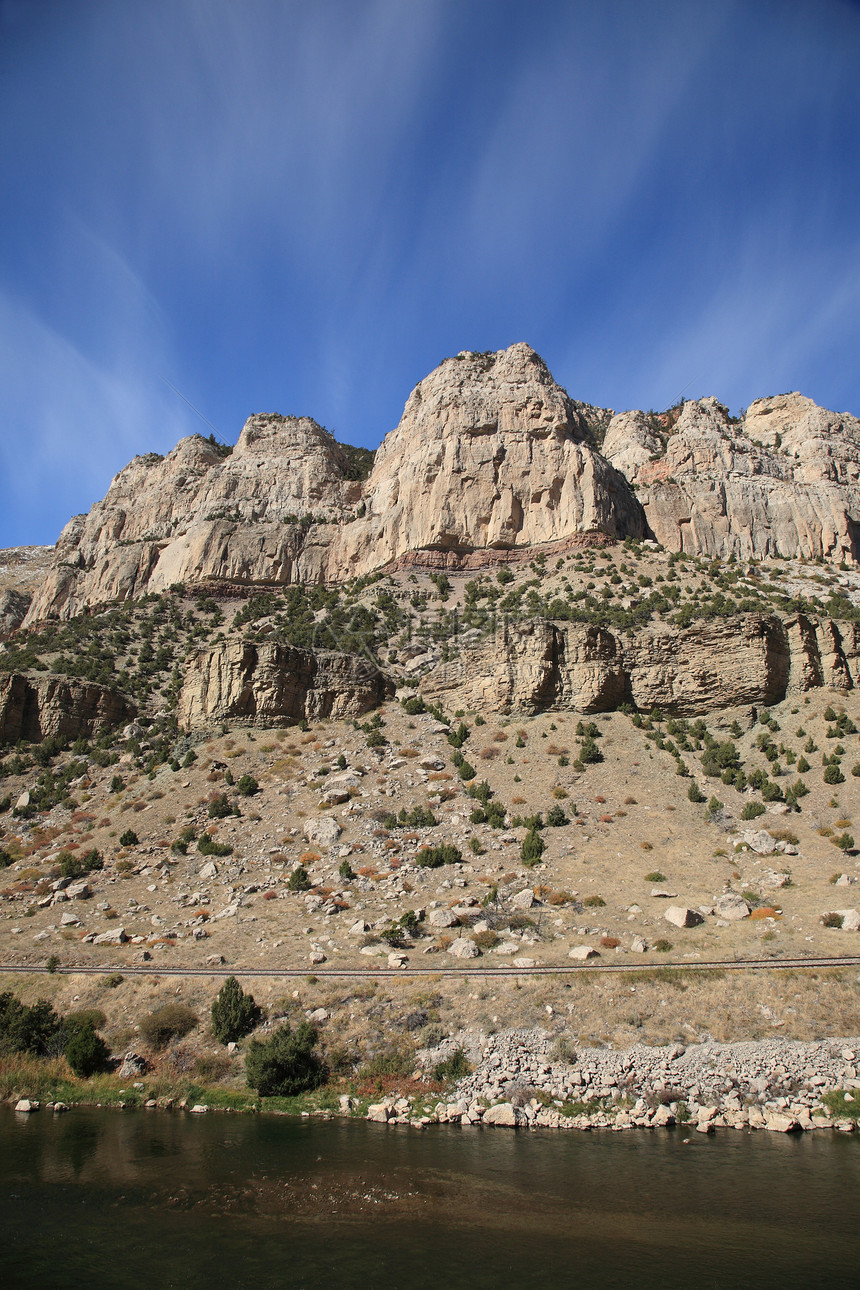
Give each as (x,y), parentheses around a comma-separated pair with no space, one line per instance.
(783,480)
(489,453)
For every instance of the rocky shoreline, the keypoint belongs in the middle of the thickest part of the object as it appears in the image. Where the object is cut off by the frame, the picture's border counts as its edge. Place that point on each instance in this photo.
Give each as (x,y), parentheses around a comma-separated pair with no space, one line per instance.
(526,1079)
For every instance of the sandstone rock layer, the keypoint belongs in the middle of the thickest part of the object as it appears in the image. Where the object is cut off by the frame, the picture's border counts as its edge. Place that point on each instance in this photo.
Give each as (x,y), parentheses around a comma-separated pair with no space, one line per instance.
(271,684)
(543,666)
(33,708)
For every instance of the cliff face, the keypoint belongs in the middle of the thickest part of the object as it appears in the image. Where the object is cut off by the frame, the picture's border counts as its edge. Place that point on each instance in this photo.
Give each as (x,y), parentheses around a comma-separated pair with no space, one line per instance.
(489,454)
(751,659)
(785,481)
(33,708)
(272,683)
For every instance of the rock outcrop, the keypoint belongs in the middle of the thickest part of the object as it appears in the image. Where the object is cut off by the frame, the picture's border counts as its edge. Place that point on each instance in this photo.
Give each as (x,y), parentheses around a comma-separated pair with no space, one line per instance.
(34,707)
(13,610)
(543,666)
(783,481)
(272,684)
(490,453)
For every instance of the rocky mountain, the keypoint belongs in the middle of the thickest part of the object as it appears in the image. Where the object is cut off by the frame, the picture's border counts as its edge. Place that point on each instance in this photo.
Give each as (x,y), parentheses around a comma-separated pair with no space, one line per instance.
(782,481)
(490,453)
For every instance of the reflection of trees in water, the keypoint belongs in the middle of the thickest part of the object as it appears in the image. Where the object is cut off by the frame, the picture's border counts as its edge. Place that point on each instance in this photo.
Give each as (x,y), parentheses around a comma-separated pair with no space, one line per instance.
(77,1142)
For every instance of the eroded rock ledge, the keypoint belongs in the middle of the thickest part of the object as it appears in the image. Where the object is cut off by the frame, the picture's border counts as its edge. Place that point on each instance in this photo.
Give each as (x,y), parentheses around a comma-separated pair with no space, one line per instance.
(540,666)
(34,707)
(271,683)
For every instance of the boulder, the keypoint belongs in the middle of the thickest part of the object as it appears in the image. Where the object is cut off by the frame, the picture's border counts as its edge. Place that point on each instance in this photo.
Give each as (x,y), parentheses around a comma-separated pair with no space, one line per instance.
(442,918)
(25,1105)
(681,916)
(524,899)
(732,907)
(850,920)
(582,953)
(322,831)
(463,948)
(132,1066)
(116,936)
(504,1114)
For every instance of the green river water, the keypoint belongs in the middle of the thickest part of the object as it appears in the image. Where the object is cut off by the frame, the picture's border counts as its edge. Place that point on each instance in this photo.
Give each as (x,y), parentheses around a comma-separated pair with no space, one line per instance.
(154,1199)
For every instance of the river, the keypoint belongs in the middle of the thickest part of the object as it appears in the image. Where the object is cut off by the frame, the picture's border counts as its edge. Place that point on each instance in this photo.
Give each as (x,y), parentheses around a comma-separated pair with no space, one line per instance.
(133,1199)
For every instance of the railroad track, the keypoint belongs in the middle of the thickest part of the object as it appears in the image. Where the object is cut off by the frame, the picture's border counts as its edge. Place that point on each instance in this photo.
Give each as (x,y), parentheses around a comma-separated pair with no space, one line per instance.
(375,974)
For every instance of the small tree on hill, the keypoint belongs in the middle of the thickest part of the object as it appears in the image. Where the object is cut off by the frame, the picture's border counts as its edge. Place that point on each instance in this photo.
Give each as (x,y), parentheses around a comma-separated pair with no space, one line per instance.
(234,1013)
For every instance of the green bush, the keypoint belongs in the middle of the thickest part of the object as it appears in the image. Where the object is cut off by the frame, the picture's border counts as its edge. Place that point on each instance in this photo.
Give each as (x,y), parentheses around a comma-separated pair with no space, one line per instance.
(128,839)
(752,810)
(208,847)
(172,1021)
(247,786)
(414,706)
(435,857)
(285,1063)
(452,1068)
(532,848)
(72,866)
(219,807)
(234,1013)
(86,1052)
(26,1028)
(298,879)
(844,842)
(833,775)
(556,817)
(345,871)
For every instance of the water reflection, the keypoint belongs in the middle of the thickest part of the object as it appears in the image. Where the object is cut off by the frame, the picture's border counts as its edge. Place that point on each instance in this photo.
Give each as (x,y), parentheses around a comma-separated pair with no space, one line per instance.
(235,1201)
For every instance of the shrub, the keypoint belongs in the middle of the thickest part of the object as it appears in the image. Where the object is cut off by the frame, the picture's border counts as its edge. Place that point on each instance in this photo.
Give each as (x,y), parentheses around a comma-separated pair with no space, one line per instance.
(662,946)
(844,842)
(172,1021)
(414,706)
(219,807)
(589,753)
(655,876)
(298,879)
(345,871)
(234,1013)
(33,1029)
(128,839)
(285,1063)
(752,810)
(72,866)
(86,1052)
(694,793)
(452,1068)
(247,786)
(117,784)
(594,902)
(532,848)
(833,775)
(207,846)
(435,857)
(556,817)
(832,920)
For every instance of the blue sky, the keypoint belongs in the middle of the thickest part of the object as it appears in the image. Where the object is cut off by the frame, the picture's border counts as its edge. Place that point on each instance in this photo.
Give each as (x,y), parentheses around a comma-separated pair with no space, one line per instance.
(303,207)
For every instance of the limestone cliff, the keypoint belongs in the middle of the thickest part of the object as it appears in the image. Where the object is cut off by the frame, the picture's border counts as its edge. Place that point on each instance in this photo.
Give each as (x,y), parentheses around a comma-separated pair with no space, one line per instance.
(272,683)
(34,707)
(490,453)
(782,481)
(749,659)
